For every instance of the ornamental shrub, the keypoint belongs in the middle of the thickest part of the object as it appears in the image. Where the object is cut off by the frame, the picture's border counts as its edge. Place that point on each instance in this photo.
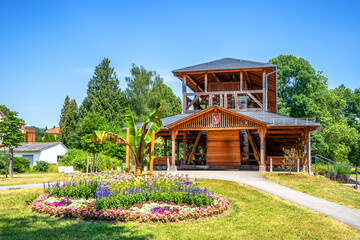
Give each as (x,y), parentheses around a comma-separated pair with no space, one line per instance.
(20,165)
(41,166)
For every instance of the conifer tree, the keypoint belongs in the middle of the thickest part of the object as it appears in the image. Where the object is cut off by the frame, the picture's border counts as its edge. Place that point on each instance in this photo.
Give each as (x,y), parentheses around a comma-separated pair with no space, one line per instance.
(104,96)
(68,120)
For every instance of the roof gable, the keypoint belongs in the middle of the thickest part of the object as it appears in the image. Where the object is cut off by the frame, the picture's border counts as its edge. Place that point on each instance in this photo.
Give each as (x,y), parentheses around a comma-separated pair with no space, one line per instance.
(227,119)
(225,64)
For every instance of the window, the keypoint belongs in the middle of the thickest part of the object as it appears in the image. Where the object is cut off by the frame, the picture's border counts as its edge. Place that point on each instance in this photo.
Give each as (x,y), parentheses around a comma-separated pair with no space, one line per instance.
(30,157)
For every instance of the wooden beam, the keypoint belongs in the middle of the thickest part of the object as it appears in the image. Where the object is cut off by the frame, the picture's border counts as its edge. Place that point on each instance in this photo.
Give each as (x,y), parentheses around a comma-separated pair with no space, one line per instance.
(184,94)
(173,153)
(241,81)
(223,92)
(211,100)
(221,100)
(206,82)
(217,79)
(225,101)
(191,80)
(255,100)
(194,147)
(165,147)
(192,102)
(184,148)
(253,146)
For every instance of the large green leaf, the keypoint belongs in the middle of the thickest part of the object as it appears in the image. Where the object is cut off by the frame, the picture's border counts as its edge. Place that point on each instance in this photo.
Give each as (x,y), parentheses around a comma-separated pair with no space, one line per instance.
(155,114)
(131,126)
(98,136)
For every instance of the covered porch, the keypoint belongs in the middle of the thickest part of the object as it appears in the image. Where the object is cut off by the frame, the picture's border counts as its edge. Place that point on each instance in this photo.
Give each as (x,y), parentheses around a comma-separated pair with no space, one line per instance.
(218,138)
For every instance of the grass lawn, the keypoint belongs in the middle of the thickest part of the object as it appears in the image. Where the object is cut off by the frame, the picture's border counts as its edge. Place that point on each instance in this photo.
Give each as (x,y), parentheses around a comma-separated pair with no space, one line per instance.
(318,186)
(256,215)
(29,178)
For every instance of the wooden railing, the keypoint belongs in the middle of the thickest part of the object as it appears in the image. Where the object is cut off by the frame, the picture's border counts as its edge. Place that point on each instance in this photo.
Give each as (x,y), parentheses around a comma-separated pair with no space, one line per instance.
(222,99)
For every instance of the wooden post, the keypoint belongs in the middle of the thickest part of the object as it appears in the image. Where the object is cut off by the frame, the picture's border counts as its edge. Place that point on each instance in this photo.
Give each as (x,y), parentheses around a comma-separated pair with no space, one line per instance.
(262,150)
(184,149)
(165,147)
(177,151)
(210,100)
(236,102)
(127,166)
(152,156)
(264,91)
(184,94)
(173,137)
(225,101)
(241,81)
(221,100)
(206,82)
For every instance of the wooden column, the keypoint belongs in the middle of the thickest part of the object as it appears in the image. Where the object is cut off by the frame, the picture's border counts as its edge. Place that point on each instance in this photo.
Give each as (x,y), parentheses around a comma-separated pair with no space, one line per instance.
(127,158)
(184,94)
(225,101)
(262,150)
(184,149)
(241,81)
(152,155)
(236,102)
(221,100)
(206,82)
(264,91)
(211,100)
(306,147)
(173,153)
(165,147)
(177,151)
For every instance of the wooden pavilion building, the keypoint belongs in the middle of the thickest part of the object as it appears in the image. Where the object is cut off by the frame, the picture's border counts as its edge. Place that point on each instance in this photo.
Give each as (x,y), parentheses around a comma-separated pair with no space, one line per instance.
(229,119)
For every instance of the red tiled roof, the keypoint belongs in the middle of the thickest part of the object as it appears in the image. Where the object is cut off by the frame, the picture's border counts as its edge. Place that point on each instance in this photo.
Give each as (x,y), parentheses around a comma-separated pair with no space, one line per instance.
(54,130)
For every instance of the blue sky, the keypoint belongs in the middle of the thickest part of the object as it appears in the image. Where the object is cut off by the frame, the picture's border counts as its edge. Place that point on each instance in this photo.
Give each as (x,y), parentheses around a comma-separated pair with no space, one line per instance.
(49,49)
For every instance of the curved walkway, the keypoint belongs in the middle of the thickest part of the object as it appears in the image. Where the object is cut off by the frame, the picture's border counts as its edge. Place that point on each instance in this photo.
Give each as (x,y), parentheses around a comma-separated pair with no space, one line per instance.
(339,212)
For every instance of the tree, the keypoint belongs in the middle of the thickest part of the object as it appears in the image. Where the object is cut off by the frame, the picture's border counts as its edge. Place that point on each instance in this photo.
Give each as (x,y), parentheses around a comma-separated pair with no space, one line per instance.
(68,120)
(104,96)
(139,139)
(146,89)
(300,87)
(10,133)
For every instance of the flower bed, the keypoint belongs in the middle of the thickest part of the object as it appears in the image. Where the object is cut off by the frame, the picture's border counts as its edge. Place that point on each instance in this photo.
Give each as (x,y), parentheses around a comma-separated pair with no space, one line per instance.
(165,198)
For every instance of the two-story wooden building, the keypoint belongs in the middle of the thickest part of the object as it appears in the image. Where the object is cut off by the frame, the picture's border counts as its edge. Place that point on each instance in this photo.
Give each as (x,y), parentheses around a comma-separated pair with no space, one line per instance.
(230,118)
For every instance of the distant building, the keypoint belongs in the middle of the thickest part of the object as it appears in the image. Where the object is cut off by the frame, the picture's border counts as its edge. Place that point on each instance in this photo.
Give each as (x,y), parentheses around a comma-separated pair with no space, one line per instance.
(49,152)
(54,131)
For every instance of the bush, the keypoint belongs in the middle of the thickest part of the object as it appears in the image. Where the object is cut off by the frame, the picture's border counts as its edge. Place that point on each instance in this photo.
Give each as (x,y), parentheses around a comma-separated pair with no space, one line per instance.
(322,169)
(41,166)
(20,165)
(78,158)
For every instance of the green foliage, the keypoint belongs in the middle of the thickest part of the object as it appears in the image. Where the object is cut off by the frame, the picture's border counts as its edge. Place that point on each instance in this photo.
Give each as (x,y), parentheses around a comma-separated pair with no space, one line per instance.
(78,159)
(20,165)
(10,132)
(68,120)
(104,96)
(146,89)
(48,137)
(303,92)
(40,132)
(41,166)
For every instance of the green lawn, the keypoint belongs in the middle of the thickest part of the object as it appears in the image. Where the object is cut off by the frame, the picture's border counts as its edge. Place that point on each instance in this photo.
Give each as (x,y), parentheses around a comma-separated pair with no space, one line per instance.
(318,186)
(29,178)
(256,215)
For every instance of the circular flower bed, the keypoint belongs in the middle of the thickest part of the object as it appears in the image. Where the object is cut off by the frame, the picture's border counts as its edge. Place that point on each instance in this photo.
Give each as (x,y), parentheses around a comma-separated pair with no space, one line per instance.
(124,201)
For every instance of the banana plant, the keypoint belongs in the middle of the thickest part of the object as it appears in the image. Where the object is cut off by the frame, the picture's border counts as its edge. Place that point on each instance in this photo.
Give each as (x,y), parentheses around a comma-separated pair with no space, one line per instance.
(139,139)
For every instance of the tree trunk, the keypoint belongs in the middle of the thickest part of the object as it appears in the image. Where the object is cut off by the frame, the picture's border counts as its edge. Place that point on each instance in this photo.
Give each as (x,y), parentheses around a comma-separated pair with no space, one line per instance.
(11,157)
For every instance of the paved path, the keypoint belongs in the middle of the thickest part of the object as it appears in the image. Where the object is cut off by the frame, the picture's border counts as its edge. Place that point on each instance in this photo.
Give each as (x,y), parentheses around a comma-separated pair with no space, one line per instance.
(22,186)
(341,213)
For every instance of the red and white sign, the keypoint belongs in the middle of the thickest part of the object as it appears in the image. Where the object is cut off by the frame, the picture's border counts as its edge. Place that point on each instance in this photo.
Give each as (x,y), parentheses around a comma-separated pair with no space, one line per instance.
(216,118)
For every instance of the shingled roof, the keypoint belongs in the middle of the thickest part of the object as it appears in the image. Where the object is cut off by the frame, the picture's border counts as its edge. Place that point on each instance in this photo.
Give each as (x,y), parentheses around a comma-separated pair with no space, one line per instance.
(224,64)
(36,147)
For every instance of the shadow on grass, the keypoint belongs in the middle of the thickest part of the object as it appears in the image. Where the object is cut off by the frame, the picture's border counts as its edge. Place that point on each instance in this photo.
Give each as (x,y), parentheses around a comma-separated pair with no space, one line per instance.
(43,227)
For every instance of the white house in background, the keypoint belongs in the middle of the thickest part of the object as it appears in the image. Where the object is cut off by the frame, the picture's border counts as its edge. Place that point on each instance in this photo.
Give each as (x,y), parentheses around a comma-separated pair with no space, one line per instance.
(49,152)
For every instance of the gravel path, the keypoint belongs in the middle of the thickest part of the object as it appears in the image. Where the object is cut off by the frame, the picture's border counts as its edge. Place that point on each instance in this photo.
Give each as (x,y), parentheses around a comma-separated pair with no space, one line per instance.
(22,186)
(341,213)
